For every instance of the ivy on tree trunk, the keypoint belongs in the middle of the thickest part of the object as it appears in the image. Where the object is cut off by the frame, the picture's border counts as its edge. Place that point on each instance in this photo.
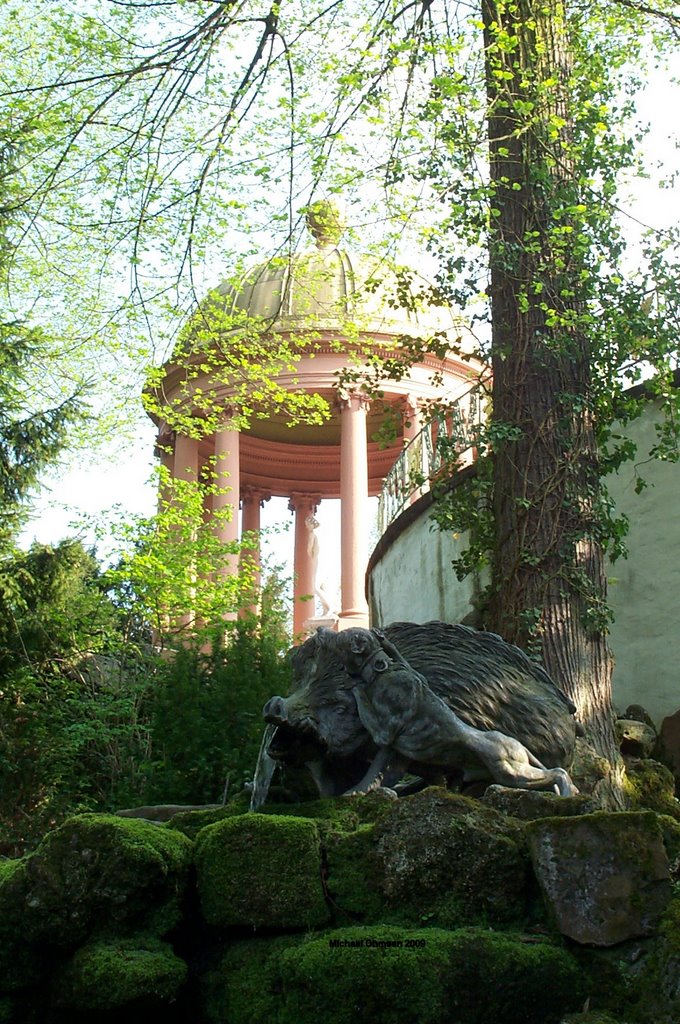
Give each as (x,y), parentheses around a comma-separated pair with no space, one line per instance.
(548,591)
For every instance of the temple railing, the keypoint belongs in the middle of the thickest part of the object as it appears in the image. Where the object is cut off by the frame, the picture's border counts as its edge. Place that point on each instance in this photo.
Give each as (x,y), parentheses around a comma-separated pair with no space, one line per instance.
(451,437)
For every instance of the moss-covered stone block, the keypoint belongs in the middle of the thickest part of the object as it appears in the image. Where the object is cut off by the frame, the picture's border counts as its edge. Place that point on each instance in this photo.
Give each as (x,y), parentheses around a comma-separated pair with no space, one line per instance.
(261,871)
(120,974)
(243,984)
(670,833)
(653,995)
(97,873)
(529,804)
(19,962)
(190,823)
(383,975)
(604,877)
(436,857)
(650,784)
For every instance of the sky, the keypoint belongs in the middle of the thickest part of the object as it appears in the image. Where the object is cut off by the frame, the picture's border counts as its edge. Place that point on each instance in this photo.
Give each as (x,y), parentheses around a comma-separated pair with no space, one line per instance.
(74,496)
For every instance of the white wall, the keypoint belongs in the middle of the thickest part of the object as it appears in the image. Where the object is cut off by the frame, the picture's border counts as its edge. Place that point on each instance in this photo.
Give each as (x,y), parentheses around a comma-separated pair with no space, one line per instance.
(644,589)
(414,581)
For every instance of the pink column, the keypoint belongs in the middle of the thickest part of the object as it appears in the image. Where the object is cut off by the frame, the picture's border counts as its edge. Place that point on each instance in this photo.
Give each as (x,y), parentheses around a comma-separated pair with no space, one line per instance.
(185,466)
(303,505)
(165,452)
(252,500)
(354,510)
(226,497)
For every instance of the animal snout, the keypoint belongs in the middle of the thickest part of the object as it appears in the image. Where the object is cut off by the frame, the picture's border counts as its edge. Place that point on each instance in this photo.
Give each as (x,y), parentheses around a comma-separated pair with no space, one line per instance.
(275,711)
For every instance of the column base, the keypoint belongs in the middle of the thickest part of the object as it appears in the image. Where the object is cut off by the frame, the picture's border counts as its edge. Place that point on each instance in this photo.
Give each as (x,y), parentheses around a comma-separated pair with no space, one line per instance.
(327,621)
(353,620)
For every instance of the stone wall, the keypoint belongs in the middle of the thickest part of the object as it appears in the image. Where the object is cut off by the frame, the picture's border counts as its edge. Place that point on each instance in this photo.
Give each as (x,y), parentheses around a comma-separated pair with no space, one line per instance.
(412,579)
(436,908)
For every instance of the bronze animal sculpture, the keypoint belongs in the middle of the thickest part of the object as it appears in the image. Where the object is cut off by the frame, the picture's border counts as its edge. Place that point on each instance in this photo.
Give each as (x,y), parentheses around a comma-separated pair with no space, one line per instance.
(414,728)
(488,684)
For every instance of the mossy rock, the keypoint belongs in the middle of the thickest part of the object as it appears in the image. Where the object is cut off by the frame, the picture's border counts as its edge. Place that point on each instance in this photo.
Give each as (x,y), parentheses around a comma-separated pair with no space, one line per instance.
(670,832)
(530,804)
(97,873)
(383,975)
(140,972)
(604,876)
(243,985)
(653,995)
(670,952)
(19,962)
(651,785)
(190,823)
(345,812)
(436,857)
(261,871)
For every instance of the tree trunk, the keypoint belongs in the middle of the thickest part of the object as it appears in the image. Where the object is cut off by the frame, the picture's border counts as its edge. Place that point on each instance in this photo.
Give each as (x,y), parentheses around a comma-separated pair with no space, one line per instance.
(548,580)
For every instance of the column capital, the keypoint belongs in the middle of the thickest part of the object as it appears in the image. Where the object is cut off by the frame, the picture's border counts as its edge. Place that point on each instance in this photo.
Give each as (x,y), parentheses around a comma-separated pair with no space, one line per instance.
(412,405)
(254,495)
(353,400)
(165,440)
(303,503)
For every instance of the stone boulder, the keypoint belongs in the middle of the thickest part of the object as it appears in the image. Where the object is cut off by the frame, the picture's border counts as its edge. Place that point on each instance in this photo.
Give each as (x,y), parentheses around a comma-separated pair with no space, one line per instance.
(436,857)
(120,975)
(651,785)
(384,974)
(261,871)
(604,877)
(636,739)
(97,872)
(19,963)
(529,804)
(669,744)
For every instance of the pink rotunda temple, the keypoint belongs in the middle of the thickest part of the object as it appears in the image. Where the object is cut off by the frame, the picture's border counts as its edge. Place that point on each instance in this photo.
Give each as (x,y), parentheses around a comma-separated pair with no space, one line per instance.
(339,309)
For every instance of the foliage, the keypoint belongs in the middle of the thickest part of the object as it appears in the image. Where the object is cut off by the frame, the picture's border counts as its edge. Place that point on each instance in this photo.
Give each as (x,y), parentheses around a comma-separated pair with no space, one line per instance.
(71,692)
(92,717)
(206,711)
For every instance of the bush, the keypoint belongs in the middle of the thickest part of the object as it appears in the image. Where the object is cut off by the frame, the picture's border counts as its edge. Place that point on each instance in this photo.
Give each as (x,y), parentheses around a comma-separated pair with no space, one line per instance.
(93,718)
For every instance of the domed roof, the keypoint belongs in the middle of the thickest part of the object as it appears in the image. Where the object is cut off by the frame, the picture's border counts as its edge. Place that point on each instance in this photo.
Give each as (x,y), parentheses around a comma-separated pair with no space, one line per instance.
(326,288)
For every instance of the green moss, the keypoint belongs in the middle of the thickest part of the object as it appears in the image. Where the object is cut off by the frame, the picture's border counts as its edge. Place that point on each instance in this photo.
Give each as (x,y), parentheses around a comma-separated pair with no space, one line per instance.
(19,963)
(649,784)
(382,974)
(112,975)
(99,872)
(261,871)
(243,986)
(653,995)
(625,828)
(190,823)
(342,812)
(670,832)
(354,877)
(435,857)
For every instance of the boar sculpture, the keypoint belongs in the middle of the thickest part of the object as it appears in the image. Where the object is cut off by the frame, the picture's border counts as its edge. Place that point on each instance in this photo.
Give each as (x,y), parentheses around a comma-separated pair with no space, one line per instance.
(367,706)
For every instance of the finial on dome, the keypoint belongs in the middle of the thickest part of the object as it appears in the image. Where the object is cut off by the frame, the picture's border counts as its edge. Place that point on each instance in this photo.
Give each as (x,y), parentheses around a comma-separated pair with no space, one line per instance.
(325,222)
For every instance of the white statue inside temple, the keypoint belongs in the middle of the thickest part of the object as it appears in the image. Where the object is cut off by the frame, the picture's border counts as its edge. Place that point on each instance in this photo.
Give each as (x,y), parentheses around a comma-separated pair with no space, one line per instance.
(320,592)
